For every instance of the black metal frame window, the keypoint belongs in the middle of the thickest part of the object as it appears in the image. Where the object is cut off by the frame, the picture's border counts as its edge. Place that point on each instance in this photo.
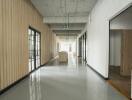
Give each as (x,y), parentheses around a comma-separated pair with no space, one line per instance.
(34,49)
(37,49)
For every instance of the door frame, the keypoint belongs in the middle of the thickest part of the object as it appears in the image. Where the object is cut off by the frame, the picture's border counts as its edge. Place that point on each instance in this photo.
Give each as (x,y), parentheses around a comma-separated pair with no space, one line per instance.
(118,14)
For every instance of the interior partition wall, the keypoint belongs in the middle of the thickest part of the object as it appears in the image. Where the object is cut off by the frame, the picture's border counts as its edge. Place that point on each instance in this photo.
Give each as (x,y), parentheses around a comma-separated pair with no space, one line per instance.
(34,49)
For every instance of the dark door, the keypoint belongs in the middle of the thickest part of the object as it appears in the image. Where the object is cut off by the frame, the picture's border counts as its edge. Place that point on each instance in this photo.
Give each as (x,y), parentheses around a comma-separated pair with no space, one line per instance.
(80,47)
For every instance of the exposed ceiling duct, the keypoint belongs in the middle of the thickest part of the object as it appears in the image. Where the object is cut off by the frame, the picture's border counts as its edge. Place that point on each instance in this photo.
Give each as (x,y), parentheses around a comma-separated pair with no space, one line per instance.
(65,16)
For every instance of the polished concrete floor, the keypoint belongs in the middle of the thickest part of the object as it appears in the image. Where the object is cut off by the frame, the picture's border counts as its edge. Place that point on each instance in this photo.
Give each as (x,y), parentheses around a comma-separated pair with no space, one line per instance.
(71,81)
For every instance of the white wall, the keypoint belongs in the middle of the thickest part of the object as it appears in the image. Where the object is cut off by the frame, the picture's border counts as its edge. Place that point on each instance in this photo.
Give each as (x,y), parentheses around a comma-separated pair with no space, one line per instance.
(123,21)
(115,48)
(98,33)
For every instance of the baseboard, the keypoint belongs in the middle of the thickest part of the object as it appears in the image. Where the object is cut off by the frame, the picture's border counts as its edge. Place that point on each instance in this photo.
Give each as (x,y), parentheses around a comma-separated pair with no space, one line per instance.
(13,84)
(48,61)
(97,72)
(19,80)
(43,64)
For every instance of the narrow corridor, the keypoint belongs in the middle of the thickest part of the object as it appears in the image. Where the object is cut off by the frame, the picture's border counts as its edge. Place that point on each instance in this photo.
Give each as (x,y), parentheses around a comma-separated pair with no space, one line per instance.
(47,45)
(63,82)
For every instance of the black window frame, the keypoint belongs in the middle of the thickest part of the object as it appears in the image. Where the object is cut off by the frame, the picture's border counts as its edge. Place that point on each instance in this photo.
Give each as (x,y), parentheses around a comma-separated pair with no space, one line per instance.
(34,50)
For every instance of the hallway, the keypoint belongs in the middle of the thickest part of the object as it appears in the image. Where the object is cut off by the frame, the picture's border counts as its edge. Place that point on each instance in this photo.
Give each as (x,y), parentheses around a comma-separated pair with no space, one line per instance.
(33,33)
(63,82)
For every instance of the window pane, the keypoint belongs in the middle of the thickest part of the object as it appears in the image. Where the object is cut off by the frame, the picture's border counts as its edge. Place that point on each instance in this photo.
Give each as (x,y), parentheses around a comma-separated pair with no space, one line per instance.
(34,49)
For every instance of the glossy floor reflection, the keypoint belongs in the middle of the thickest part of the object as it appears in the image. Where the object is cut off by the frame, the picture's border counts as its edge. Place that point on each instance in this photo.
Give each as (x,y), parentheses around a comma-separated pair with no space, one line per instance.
(67,82)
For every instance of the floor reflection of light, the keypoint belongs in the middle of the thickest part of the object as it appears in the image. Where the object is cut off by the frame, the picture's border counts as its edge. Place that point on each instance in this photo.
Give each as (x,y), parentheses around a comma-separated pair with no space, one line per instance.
(35,86)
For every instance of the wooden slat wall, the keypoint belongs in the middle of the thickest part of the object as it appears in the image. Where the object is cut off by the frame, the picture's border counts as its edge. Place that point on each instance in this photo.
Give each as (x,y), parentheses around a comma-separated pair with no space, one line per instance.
(15,18)
(1,60)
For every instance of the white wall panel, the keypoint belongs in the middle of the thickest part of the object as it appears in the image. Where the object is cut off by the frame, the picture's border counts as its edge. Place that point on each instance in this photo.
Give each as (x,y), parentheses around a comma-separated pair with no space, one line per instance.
(98,33)
(115,47)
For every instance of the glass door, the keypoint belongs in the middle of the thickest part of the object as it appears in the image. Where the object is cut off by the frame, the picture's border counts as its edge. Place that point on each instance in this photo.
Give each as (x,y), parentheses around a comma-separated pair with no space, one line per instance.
(34,49)
(31,49)
(37,49)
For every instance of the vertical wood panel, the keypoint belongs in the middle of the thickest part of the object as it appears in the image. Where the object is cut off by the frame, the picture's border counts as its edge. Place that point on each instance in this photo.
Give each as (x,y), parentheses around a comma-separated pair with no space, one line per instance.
(4,44)
(15,17)
(1,45)
(126,58)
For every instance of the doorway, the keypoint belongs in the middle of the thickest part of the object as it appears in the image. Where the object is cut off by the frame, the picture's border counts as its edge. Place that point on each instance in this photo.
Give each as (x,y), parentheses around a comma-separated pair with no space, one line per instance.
(120,56)
(34,41)
(82,46)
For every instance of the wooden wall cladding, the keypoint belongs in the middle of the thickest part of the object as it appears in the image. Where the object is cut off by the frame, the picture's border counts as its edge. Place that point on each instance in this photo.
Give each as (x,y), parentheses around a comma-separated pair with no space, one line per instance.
(15,18)
(1,61)
(126,59)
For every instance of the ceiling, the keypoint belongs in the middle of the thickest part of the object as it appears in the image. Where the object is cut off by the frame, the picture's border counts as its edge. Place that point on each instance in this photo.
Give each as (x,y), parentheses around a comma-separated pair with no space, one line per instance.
(67,38)
(122,21)
(65,16)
